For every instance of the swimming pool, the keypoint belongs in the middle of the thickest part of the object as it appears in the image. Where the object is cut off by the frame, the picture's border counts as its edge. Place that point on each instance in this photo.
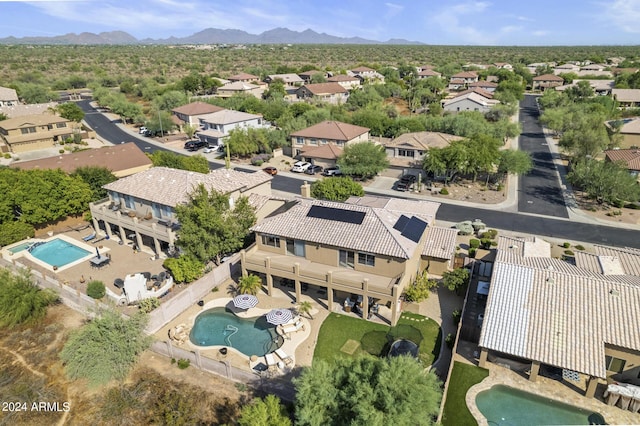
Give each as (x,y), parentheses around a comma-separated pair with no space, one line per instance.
(57,252)
(20,247)
(504,405)
(219,327)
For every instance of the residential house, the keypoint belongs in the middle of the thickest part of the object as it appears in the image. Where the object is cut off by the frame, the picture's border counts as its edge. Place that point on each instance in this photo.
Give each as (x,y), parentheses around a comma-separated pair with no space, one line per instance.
(408,149)
(461,80)
(34,132)
(428,73)
(438,254)
(332,93)
(627,98)
(324,155)
(629,157)
(470,101)
(534,66)
(371,247)
(244,78)
(579,318)
(327,132)
(289,80)
(593,67)
(8,97)
(586,74)
(503,65)
(20,110)
(190,113)
(347,81)
(545,81)
(629,131)
(366,74)
(215,127)
(600,87)
(421,68)
(122,160)
(308,75)
(488,86)
(141,208)
(566,68)
(240,87)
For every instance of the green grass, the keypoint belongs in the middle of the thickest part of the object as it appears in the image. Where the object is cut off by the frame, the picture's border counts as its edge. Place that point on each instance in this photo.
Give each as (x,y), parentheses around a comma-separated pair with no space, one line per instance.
(337,329)
(463,377)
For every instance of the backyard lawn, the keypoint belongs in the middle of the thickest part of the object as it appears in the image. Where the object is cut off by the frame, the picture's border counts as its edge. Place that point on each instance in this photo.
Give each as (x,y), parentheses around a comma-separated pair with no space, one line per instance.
(342,335)
(463,377)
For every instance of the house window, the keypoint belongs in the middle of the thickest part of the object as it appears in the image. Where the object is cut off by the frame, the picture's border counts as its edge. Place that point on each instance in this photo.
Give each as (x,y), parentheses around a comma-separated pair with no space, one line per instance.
(61,125)
(271,241)
(323,142)
(295,248)
(28,130)
(366,259)
(614,364)
(313,141)
(406,153)
(129,201)
(346,258)
(299,140)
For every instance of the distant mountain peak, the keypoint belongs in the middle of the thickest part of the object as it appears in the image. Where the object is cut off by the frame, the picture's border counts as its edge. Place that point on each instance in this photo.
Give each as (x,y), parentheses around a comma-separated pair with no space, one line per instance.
(278,35)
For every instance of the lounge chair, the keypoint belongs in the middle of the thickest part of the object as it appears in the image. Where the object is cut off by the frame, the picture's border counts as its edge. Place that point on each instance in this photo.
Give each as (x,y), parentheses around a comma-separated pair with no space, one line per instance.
(298,325)
(284,356)
(89,237)
(271,362)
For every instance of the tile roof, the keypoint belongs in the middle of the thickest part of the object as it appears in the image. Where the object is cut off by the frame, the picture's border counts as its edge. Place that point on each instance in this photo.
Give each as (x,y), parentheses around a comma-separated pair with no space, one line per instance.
(560,319)
(423,140)
(424,209)
(483,83)
(8,94)
(325,88)
(441,242)
(429,73)
(172,186)
(31,120)
(117,158)
(362,69)
(334,130)
(238,86)
(30,109)
(626,95)
(629,257)
(473,97)
(465,74)
(228,116)
(631,157)
(478,90)
(342,77)
(242,76)
(524,246)
(197,108)
(329,151)
(605,265)
(374,235)
(287,78)
(548,77)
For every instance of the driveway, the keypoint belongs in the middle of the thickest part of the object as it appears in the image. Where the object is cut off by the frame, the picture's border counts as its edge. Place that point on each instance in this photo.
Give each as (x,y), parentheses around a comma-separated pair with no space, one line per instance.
(540,190)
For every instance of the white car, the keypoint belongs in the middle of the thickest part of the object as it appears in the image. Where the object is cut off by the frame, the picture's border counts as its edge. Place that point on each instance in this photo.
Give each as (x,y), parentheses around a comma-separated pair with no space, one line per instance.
(209,149)
(142,130)
(300,166)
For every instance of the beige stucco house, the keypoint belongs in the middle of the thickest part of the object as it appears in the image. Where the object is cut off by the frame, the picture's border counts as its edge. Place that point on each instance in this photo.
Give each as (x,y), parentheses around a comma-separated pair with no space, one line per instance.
(629,131)
(349,82)
(546,81)
(408,149)
(326,132)
(627,98)
(191,112)
(8,97)
(34,132)
(332,93)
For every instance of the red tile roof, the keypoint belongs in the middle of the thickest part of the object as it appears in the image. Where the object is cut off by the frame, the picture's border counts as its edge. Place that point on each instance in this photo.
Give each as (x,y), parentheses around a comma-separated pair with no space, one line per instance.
(325,88)
(333,130)
(548,77)
(631,157)
(197,108)
(328,151)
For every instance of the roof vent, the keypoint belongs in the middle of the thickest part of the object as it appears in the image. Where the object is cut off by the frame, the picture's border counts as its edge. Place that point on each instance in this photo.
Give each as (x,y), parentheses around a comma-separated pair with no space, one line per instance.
(550,280)
(614,292)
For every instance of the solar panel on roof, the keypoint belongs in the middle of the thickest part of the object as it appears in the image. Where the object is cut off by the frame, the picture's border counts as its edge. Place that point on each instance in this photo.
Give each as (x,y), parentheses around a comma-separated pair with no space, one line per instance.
(413,229)
(401,223)
(338,215)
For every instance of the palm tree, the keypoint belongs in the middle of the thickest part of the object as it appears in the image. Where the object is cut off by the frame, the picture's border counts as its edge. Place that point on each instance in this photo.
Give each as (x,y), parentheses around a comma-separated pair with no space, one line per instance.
(305,308)
(249,284)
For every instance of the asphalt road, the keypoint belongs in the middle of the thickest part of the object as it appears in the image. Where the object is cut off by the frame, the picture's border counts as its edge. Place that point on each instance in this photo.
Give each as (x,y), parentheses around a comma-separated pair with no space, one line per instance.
(516,222)
(539,191)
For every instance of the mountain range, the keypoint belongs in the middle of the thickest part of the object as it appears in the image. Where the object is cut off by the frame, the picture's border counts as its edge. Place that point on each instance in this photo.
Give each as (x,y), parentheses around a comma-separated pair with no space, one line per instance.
(207,36)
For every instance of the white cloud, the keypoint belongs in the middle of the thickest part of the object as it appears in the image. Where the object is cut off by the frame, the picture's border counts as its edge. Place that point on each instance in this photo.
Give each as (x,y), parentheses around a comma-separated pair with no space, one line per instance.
(525,19)
(540,33)
(393,9)
(450,20)
(510,29)
(624,14)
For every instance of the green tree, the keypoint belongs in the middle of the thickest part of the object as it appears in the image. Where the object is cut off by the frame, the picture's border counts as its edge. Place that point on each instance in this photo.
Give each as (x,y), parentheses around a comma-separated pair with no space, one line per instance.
(184,269)
(106,348)
(250,284)
(305,307)
(189,130)
(367,390)
(363,159)
(96,178)
(514,162)
(264,412)
(71,111)
(606,182)
(96,289)
(244,142)
(13,231)
(170,100)
(421,288)
(456,280)
(21,300)
(336,188)
(210,227)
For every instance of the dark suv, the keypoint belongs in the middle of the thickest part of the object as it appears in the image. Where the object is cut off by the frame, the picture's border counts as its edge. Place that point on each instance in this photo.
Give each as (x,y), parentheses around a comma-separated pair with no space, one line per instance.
(194,145)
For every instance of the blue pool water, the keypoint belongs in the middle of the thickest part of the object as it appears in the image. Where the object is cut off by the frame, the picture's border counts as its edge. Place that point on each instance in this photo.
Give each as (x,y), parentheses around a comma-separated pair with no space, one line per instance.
(20,247)
(219,327)
(58,252)
(503,405)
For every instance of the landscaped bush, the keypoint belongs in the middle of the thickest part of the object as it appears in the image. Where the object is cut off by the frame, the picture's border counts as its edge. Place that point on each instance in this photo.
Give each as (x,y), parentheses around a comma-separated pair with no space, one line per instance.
(7,155)
(474,243)
(569,252)
(257,160)
(14,231)
(444,191)
(566,245)
(457,314)
(450,340)
(149,304)
(472,253)
(184,269)
(490,234)
(420,289)
(580,247)
(183,363)
(96,289)
(485,243)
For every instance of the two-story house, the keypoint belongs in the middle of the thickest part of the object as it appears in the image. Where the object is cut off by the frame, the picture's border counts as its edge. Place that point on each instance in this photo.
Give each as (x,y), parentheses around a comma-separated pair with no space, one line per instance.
(545,81)
(141,208)
(488,86)
(326,132)
(8,97)
(332,93)
(371,248)
(461,80)
(33,132)
(349,82)
(426,73)
(366,74)
(215,127)
(190,113)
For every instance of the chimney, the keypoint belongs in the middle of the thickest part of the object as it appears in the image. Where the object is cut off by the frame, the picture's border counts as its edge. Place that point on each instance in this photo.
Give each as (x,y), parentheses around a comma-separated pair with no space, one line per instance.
(305,190)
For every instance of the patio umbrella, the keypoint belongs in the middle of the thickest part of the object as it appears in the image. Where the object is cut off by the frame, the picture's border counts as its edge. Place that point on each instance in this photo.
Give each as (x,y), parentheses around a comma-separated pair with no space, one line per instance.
(245,301)
(279,316)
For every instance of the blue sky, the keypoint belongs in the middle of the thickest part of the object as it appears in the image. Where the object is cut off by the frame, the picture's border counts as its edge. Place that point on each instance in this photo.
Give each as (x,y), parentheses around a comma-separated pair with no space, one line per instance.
(466,22)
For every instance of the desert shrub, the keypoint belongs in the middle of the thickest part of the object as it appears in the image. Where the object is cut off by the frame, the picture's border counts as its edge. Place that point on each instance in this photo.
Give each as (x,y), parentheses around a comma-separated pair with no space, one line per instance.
(474,243)
(450,340)
(183,363)
(21,300)
(61,151)
(456,314)
(472,253)
(96,289)
(500,187)
(569,252)
(485,243)
(257,160)
(490,234)
(580,247)
(444,191)
(633,206)
(7,155)
(149,304)
(566,245)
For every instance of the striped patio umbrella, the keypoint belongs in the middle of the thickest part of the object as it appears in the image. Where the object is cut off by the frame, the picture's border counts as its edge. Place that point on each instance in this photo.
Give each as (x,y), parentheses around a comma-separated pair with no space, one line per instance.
(245,301)
(279,316)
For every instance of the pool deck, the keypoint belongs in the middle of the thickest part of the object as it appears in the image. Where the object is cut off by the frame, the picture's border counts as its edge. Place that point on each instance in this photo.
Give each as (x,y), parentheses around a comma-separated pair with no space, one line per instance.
(546,388)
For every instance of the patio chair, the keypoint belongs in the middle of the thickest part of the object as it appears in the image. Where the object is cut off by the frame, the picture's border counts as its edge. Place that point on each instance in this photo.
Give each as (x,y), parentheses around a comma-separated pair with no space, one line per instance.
(284,356)
(271,362)
(293,327)
(89,237)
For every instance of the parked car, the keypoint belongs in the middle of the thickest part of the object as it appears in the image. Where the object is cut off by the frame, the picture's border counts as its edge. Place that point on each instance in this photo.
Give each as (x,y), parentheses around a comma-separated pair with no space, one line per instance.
(332,171)
(194,145)
(403,186)
(300,166)
(210,149)
(313,169)
(409,178)
(270,170)
(143,130)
